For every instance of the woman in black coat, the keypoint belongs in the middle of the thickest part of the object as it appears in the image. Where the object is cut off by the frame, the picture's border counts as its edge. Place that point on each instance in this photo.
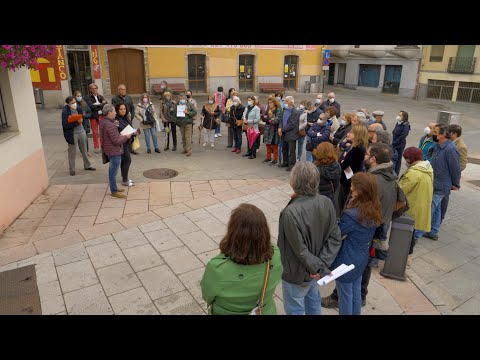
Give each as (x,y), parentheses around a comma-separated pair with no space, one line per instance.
(236,114)
(343,130)
(400,133)
(329,169)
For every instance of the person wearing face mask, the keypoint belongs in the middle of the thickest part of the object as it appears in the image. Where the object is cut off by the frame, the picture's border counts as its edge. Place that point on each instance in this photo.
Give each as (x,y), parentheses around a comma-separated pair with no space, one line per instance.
(227,118)
(319,102)
(74,133)
(87,114)
(167,106)
(319,132)
(184,121)
(193,102)
(343,130)
(220,100)
(302,125)
(331,102)
(400,133)
(210,112)
(288,131)
(236,113)
(123,118)
(280,98)
(446,174)
(272,118)
(147,122)
(417,185)
(313,113)
(96,102)
(331,113)
(251,118)
(426,141)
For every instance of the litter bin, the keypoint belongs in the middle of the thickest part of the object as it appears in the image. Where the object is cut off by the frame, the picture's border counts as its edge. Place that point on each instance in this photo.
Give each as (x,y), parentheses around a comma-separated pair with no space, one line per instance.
(38,95)
(307,86)
(399,246)
(448,117)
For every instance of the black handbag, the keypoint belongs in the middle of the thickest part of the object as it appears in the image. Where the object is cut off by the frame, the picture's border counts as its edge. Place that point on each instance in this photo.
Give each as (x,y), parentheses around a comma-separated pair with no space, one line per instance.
(309,146)
(149,117)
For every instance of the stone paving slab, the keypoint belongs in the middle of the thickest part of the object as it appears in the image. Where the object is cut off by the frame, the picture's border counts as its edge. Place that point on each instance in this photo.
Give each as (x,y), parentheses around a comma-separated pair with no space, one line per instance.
(118,278)
(77,275)
(143,257)
(133,302)
(130,238)
(160,282)
(181,303)
(88,301)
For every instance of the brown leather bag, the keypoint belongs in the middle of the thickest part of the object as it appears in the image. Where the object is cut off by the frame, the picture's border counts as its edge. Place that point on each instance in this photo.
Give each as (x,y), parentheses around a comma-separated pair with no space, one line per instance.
(302,133)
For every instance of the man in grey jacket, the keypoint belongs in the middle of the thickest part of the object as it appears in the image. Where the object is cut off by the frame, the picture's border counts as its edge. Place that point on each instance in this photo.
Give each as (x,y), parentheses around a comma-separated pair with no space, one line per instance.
(288,132)
(309,240)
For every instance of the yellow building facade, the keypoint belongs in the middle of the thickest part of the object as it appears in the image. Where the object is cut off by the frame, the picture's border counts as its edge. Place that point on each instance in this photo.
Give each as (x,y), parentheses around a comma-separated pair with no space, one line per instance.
(450,72)
(203,68)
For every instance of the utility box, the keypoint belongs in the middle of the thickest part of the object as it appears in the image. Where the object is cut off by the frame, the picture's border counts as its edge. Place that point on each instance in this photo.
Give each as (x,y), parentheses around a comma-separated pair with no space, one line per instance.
(448,117)
(38,95)
(307,87)
(399,246)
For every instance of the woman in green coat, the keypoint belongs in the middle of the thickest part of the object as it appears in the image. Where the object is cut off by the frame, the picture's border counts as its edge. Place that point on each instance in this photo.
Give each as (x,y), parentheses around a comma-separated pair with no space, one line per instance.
(417,184)
(233,280)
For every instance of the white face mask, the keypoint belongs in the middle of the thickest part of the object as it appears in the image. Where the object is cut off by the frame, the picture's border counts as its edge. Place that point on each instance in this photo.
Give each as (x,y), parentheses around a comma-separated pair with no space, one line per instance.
(73,106)
(210,102)
(331,100)
(427,130)
(398,118)
(302,107)
(235,103)
(319,121)
(250,103)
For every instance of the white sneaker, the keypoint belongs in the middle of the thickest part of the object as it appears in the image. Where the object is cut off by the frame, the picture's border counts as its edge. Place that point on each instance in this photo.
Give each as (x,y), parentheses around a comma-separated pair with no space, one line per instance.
(219,135)
(212,144)
(204,144)
(216,135)
(130,180)
(130,183)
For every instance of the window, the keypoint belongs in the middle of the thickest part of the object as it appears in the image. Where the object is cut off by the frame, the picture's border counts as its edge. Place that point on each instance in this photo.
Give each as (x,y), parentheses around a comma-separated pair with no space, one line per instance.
(197,73)
(290,72)
(436,53)
(469,92)
(369,75)
(440,89)
(246,72)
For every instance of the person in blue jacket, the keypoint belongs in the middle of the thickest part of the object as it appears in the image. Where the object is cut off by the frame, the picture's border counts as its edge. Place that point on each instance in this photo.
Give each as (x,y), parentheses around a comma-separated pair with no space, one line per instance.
(400,133)
(319,132)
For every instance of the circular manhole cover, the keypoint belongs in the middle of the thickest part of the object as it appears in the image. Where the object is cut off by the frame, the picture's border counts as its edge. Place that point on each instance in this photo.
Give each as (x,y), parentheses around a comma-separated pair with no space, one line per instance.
(162,173)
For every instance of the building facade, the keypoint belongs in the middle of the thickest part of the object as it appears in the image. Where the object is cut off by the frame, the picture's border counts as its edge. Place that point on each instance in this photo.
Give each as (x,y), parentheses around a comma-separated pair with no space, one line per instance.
(450,72)
(201,68)
(23,170)
(390,69)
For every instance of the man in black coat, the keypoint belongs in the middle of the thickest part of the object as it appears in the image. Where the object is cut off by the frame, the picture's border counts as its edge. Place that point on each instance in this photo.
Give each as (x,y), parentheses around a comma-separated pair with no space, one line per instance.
(95,101)
(288,132)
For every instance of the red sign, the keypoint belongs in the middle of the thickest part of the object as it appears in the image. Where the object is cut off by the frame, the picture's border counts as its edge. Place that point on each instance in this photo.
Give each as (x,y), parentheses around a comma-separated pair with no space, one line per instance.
(61,62)
(95,62)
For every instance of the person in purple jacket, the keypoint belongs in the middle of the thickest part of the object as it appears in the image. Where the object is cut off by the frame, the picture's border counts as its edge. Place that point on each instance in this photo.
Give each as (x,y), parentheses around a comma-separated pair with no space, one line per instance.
(357,225)
(112,143)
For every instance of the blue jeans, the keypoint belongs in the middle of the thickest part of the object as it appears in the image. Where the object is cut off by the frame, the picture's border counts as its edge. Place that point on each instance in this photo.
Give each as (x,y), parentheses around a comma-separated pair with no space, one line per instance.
(217,129)
(112,172)
(436,213)
(301,299)
(153,132)
(349,297)
(300,141)
(308,154)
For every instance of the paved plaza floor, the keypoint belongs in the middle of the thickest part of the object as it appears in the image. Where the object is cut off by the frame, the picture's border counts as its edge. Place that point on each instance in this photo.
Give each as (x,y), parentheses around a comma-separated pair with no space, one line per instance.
(147,254)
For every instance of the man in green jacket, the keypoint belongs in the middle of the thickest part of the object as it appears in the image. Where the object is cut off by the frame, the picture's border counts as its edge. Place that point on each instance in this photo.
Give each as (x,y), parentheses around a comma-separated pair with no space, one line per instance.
(184,120)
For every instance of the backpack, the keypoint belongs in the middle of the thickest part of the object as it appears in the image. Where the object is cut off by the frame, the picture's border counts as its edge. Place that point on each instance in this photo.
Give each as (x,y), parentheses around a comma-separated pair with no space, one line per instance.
(149,116)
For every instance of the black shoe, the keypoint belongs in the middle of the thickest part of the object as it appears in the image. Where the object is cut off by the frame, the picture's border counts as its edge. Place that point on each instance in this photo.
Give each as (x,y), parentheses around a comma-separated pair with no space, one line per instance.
(229,146)
(72,173)
(91,168)
(149,151)
(252,157)
(430,236)
(166,148)
(157,151)
(266,160)
(133,152)
(284,165)
(247,154)
(174,148)
(289,168)
(364,302)
(273,162)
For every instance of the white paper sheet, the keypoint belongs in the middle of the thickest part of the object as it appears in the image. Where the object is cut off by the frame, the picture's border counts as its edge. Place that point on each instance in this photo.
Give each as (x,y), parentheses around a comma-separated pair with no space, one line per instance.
(348,172)
(180,109)
(128,130)
(339,271)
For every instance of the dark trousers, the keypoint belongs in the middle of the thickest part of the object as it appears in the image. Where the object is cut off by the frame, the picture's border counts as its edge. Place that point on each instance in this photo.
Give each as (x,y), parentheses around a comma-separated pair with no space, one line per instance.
(126,161)
(230,136)
(173,132)
(253,149)
(237,137)
(288,152)
(367,273)
(342,196)
(444,206)
(398,160)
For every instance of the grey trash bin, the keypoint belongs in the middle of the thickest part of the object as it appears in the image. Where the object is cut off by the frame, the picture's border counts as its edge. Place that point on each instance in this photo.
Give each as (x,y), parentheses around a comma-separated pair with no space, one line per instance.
(399,247)
(448,117)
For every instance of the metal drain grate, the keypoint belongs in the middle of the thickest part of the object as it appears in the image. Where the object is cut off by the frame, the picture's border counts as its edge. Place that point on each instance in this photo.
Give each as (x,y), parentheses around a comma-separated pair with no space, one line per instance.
(160,174)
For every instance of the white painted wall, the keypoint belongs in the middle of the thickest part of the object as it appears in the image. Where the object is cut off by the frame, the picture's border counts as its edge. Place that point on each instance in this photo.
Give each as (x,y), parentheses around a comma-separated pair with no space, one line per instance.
(21,113)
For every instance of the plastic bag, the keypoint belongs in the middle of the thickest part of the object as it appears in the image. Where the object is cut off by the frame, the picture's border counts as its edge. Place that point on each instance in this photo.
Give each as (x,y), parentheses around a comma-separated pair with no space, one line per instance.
(135,144)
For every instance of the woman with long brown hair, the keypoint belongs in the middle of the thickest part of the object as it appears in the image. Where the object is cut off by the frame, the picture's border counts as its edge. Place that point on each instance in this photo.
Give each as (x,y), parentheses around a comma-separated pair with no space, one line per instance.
(233,280)
(329,169)
(357,225)
(210,112)
(272,117)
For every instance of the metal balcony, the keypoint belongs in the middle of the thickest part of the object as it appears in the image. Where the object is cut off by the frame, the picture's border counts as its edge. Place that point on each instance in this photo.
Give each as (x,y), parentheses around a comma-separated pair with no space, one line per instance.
(461,65)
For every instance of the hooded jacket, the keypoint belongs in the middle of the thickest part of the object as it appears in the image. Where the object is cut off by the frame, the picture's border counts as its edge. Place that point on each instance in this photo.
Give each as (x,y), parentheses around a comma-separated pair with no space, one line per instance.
(417,184)
(308,237)
(329,179)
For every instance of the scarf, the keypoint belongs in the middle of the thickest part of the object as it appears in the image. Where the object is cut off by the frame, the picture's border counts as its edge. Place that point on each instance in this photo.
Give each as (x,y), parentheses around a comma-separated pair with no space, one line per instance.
(220,100)
(210,108)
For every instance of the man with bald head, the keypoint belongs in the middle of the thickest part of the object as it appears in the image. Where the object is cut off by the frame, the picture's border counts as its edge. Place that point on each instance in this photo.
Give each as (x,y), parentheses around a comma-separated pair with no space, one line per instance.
(331,102)
(372,132)
(426,142)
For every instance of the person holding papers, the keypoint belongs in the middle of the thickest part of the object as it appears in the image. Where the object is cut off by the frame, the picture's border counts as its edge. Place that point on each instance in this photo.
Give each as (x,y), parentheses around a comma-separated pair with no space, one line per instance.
(357,224)
(125,121)
(184,113)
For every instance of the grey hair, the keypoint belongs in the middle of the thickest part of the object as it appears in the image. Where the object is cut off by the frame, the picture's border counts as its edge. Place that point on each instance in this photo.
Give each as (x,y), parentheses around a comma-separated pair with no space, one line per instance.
(305,178)
(236,98)
(125,86)
(384,137)
(291,98)
(107,108)
(362,117)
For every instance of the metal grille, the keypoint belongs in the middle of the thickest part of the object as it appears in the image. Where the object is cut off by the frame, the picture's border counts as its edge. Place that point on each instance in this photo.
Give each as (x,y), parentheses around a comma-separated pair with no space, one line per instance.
(461,65)
(3,118)
(469,92)
(440,89)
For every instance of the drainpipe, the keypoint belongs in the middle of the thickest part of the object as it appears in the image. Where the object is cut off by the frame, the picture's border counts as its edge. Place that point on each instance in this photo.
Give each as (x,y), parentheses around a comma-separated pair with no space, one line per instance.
(417,85)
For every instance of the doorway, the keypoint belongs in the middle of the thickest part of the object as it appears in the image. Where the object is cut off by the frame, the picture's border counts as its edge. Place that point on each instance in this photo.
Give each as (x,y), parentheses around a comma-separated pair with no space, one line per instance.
(342,69)
(246,73)
(290,72)
(80,71)
(127,67)
(197,81)
(331,74)
(391,82)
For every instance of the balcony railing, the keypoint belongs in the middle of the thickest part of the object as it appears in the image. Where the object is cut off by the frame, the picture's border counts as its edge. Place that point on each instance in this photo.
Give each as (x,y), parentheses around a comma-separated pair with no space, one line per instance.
(462,65)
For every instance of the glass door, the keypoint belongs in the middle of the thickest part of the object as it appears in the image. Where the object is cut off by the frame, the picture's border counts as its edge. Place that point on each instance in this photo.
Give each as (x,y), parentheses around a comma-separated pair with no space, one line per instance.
(246,73)
(290,72)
